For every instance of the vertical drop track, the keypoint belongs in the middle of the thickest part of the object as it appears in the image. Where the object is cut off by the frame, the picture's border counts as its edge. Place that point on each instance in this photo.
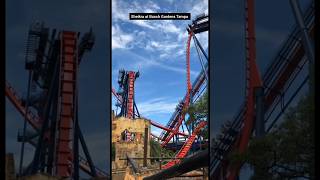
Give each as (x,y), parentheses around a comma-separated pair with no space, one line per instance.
(253,81)
(66,103)
(187,97)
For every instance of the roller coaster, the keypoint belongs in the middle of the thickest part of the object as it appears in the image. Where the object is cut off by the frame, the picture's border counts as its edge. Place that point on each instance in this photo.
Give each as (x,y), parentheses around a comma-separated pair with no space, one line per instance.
(266,100)
(279,85)
(171,132)
(51,104)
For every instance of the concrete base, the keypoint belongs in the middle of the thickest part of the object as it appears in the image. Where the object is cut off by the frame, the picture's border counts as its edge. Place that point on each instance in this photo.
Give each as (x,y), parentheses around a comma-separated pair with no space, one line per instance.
(133,147)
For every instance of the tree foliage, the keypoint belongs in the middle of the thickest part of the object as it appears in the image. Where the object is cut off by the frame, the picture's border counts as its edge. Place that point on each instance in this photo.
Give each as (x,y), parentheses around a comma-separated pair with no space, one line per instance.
(196,112)
(288,151)
(157,151)
(199,111)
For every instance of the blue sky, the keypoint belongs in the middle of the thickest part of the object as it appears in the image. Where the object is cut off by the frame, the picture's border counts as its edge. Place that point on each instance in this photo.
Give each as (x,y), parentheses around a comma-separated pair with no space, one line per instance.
(158,50)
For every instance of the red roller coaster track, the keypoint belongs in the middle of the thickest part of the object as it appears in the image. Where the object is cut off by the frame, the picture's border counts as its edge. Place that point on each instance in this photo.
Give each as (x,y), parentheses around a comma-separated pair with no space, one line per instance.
(186,102)
(36,123)
(116,95)
(131,79)
(186,146)
(175,123)
(33,119)
(253,81)
(152,122)
(167,129)
(66,106)
(286,66)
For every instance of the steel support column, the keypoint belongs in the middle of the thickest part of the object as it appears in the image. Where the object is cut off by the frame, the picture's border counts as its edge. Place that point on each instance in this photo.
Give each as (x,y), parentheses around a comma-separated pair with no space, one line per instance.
(198,46)
(25,125)
(145,147)
(260,126)
(46,113)
(86,152)
(201,48)
(307,44)
(133,164)
(76,144)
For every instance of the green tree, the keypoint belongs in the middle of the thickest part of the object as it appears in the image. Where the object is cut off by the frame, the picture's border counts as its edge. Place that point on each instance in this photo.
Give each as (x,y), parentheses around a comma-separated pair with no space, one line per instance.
(196,112)
(157,151)
(288,151)
(199,111)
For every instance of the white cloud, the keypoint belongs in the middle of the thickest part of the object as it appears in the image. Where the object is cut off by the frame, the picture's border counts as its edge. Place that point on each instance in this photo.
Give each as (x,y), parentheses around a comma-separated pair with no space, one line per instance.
(178,69)
(203,39)
(120,12)
(139,62)
(119,38)
(168,26)
(163,42)
(161,105)
(198,7)
(164,37)
(162,46)
(156,132)
(183,36)
(143,23)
